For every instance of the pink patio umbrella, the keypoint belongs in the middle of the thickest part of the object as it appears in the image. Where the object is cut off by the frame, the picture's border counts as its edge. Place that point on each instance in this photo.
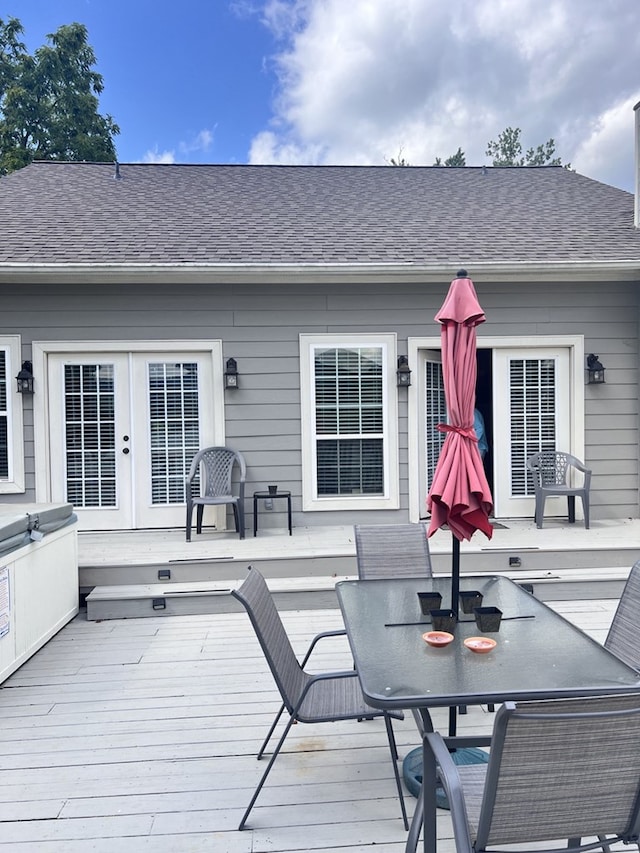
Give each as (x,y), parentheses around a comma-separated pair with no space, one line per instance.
(459,496)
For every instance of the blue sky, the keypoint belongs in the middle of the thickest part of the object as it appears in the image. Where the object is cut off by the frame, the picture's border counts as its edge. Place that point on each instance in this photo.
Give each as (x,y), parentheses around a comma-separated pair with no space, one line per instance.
(360,81)
(183,80)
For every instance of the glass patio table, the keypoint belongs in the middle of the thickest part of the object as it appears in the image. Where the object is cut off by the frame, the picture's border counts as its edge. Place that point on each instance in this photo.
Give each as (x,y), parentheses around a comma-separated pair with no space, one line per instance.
(539,655)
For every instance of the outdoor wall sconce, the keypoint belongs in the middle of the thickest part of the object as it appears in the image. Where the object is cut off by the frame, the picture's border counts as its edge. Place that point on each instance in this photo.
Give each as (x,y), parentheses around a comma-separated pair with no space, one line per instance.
(231,377)
(25,378)
(403,373)
(595,370)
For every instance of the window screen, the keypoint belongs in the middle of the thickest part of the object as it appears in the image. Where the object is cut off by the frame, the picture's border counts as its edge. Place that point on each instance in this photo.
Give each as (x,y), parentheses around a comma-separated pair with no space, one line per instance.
(349,420)
(173,425)
(4,417)
(89,411)
(533,416)
(435,413)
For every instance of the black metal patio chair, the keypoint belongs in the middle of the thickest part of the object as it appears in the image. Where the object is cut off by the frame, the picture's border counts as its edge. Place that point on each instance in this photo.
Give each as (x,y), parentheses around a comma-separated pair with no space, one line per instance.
(623,638)
(558,771)
(308,698)
(392,551)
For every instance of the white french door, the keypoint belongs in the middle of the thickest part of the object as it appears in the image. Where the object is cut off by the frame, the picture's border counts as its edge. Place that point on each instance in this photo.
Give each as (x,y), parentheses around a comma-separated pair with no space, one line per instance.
(537,404)
(124,427)
(530,413)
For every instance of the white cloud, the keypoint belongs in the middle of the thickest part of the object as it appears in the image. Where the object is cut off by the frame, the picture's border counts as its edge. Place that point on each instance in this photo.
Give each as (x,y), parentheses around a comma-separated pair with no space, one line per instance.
(358,81)
(608,150)
(202,142)
(155,156)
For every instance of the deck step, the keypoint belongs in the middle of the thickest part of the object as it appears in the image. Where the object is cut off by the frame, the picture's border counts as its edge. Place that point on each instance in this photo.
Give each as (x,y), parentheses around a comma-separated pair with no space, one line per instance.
(181,599)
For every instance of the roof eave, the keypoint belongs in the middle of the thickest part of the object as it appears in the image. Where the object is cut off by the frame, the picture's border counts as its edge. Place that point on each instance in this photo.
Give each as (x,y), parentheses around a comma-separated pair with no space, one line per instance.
(295,273)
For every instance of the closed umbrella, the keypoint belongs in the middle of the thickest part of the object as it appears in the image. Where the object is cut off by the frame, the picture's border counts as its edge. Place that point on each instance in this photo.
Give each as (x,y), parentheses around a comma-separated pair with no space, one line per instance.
(459,496)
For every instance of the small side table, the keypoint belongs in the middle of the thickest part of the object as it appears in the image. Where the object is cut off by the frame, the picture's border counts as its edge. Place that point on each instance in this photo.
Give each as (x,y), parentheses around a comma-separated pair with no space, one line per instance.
(266,496)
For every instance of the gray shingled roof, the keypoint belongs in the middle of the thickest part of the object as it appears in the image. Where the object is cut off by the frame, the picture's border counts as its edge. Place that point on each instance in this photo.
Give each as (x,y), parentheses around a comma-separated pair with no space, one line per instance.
(79,213)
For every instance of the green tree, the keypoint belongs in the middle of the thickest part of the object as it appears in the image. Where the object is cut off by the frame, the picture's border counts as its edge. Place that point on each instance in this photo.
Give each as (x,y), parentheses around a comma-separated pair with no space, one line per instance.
(507,151)
(49,101)
(457,159)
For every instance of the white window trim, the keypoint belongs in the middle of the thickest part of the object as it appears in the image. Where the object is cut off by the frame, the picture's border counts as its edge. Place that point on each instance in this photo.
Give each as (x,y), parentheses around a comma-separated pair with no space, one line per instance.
(14,484)
(390,500)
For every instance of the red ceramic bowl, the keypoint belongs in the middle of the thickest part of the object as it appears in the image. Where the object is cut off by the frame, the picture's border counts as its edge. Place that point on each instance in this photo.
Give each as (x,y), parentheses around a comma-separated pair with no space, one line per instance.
(437,638)
(480,645)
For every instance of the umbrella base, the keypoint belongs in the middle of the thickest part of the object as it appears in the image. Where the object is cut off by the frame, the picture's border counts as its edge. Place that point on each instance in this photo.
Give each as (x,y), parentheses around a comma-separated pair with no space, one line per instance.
(412,770)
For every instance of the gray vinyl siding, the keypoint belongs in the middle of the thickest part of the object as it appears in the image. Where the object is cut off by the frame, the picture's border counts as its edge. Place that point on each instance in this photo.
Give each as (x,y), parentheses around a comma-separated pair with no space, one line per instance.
(259,325)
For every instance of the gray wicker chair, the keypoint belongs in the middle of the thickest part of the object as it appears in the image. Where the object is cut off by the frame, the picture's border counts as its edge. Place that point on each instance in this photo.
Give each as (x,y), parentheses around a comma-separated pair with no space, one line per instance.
(624,633)
(552,471)
(392,551)
(557,770)
(209,483)
(308,698)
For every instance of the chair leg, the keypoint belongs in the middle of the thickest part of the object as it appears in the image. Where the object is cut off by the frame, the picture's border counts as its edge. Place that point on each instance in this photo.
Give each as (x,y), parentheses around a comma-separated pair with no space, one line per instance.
(241,519)
(199,514)
(189,519)
(269,733)
(238,517)
(539,510)
(265,774)
(394,760)
(571,501)
(585,510)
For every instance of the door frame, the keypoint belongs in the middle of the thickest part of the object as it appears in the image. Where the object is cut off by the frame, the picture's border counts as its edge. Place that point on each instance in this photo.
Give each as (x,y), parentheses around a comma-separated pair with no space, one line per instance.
(41,350)
(575,345)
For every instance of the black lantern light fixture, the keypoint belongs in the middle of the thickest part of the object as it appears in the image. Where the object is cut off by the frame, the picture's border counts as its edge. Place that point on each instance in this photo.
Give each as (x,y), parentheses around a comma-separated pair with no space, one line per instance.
(25,378)
(403,373)
(595,370)
(231,377)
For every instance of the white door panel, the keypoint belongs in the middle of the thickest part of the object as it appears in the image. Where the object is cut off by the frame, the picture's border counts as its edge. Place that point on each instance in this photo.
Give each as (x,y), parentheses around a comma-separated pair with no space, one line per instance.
(531,413)
(123,430)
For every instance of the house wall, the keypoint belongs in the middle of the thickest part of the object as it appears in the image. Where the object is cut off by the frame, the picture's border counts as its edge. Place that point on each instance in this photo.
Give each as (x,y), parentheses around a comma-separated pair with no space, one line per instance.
(259,326)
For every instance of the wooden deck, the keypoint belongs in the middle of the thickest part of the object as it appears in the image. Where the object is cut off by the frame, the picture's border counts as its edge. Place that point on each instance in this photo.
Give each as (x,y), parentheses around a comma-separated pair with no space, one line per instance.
(140,736)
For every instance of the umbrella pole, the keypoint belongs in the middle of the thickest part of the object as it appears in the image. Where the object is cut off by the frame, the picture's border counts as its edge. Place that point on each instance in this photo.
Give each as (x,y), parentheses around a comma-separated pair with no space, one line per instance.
(455,574)
(455,590)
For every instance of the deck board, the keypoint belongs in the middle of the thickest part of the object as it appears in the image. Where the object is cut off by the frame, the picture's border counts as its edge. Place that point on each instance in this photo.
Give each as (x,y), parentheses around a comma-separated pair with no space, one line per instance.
(140,735)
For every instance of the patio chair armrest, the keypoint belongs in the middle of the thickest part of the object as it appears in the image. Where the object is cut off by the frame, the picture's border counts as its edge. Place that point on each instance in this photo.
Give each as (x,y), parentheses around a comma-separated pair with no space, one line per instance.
(331,676)
(580,466)
(449,777)
(340,632)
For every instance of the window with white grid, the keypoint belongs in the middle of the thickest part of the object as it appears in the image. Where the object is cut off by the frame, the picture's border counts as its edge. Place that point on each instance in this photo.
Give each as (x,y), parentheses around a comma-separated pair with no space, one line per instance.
(533,416)
(435,413)
(350,443)
(174,427)
(11,422)
(90,438)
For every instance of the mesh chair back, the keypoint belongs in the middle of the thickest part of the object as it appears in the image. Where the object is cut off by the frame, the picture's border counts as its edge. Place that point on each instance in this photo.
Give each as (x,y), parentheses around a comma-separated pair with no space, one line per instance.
(562,769)
(285,668)
(216,465)
(553,467)
(392,550)
(623,638)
